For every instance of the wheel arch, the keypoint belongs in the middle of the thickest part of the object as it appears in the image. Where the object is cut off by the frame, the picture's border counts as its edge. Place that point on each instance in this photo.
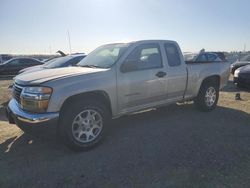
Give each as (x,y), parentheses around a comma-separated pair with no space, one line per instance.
(214,78)
(98,96)
(199,99)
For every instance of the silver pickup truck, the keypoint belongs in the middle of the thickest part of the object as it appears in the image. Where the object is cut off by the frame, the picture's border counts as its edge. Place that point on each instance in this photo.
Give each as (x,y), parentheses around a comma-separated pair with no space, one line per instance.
(113,80)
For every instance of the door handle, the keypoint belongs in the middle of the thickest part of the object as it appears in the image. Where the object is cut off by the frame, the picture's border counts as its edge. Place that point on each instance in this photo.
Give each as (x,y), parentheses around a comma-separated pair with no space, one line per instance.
(161,74)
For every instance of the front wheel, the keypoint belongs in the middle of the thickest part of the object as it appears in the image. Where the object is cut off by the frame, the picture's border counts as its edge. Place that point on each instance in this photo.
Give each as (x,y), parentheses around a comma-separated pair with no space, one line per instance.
(83,125)
(208,97)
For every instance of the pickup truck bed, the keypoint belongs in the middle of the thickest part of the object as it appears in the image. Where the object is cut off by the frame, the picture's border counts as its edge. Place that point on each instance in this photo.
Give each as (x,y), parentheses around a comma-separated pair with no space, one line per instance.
(198,71)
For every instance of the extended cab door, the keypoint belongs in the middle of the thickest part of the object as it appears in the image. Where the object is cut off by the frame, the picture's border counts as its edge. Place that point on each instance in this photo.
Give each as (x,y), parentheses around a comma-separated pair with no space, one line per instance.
(141,78)
(176,72)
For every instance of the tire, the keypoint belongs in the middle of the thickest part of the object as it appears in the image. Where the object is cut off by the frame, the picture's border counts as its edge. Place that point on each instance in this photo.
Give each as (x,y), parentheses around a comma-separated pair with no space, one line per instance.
(208,96)
(83,125)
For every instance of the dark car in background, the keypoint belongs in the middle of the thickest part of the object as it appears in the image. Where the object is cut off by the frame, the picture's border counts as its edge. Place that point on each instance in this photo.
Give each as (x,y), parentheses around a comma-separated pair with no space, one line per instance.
(243,62)
(66,61)
(13,66)
(242,76)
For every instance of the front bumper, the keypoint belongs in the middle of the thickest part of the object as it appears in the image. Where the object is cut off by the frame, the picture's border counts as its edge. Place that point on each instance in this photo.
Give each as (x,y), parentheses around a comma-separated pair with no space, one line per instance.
(22,118)
(242,81)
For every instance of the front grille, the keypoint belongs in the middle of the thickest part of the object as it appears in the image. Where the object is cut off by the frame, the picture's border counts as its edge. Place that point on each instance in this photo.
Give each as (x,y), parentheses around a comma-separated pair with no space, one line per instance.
(17,90)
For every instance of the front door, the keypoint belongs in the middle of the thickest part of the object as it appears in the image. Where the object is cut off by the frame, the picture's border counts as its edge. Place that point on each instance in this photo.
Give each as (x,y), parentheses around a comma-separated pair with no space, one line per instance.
(141,78)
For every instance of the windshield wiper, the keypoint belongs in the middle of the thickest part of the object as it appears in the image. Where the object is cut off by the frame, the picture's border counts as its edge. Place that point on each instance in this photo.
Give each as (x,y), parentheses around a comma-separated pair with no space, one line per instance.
(89,66)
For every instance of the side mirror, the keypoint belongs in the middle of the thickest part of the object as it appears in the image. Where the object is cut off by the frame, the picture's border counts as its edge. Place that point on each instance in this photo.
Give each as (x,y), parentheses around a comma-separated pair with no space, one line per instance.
(129,66)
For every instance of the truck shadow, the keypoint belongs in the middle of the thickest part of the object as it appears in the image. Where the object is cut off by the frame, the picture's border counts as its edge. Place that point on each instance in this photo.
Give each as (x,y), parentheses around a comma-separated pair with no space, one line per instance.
(160,141)
(2,114)
(182,116)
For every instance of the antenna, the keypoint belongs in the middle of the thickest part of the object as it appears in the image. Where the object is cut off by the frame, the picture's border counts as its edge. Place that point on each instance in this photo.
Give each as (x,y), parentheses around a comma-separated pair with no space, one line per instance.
(69,42)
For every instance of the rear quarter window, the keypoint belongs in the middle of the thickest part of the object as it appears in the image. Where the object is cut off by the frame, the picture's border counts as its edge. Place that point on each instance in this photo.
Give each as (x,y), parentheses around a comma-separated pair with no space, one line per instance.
(173,55)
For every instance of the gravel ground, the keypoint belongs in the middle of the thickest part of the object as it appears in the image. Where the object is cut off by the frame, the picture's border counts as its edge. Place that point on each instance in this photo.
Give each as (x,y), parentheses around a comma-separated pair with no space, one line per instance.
(5,94)
(176,146)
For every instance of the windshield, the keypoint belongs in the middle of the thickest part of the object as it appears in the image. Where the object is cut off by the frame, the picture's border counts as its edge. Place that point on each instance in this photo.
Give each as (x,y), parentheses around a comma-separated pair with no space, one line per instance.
(57,62)
(50,61)
(7,61)
(104,56)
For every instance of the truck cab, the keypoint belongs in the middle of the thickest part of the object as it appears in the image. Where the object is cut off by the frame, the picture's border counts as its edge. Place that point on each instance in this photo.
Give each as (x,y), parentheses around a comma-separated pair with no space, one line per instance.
(152,73)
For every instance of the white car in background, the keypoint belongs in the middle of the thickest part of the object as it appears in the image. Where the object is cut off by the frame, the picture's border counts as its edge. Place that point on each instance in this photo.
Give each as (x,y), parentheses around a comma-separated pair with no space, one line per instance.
(59,62)
(204,57)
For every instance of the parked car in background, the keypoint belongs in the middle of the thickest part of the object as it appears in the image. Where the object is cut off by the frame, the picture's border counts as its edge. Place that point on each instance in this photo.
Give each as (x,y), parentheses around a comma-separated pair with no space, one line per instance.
(5,57)
(13,66)
(221,55)
(59,62)
(112,81)
(204,57)
(244,61)
(242,76)
(62,54)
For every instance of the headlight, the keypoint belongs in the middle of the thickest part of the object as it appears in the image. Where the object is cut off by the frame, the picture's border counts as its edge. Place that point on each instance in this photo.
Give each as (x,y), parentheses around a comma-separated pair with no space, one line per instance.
(236,73)
(35,99)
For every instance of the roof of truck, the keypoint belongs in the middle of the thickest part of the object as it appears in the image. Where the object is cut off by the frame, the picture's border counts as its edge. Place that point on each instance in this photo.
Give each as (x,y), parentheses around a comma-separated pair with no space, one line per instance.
(152,40)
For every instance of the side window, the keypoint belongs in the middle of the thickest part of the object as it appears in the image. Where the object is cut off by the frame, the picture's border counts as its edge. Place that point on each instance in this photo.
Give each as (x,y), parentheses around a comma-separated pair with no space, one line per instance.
(145,56)
(26,62)
(14,63)
(173,55)
(202,58)
(32,62)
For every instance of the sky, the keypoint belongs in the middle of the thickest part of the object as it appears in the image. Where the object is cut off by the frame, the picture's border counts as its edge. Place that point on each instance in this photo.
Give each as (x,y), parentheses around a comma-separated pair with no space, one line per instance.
(42,26)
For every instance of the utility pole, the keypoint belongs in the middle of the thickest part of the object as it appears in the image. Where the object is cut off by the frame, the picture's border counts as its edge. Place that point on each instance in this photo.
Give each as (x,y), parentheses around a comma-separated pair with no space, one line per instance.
(69,43)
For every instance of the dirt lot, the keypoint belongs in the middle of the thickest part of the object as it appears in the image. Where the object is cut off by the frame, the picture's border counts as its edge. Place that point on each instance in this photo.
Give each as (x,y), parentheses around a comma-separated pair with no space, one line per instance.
(177,146)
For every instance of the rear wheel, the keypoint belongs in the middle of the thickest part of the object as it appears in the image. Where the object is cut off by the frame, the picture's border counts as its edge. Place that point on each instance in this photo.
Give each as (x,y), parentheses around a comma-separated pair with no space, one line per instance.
(83,125)
(208,97)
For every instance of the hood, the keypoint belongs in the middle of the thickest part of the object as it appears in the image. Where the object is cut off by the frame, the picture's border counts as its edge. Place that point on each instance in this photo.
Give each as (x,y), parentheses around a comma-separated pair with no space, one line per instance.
(31,69)
(240,63)
(245,69)
(45,75)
